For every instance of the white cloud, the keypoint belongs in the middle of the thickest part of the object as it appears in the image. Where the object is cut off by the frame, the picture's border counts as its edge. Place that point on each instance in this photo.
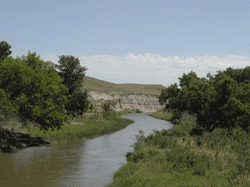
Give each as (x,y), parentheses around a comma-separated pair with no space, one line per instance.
(154,69)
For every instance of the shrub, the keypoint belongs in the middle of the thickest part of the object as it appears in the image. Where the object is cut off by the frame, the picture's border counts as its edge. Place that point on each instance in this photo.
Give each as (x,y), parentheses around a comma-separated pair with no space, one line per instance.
(109,114)
(138,111)
(91,107)
(106,106)
(140,140)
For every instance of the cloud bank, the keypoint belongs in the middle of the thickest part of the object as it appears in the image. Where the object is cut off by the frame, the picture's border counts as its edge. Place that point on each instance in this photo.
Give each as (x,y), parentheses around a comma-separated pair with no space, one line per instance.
(153,69)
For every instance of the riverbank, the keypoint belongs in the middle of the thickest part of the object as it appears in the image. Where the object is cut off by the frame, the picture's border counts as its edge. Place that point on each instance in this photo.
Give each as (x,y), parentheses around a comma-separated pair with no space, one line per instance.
(178,157)
(86,126)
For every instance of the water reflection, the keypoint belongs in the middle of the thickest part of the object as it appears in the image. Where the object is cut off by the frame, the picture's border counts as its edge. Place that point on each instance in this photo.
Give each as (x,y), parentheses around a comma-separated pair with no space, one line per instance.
(90,162)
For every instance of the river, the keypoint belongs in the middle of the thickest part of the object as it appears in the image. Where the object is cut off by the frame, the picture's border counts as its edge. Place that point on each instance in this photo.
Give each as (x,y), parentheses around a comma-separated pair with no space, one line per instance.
(86,162)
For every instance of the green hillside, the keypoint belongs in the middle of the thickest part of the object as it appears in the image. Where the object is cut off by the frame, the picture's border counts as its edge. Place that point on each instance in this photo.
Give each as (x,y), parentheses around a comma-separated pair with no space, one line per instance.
(93,84)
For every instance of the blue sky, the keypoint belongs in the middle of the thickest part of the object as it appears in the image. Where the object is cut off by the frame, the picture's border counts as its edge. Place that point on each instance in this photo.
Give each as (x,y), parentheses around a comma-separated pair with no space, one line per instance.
(132,41)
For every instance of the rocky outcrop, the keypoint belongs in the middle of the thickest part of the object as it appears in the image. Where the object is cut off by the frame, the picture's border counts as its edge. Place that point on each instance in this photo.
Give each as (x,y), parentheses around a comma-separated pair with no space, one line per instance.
(121,101)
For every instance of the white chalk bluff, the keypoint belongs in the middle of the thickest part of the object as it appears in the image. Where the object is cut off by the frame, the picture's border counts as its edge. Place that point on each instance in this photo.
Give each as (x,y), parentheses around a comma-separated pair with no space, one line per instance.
(121,101)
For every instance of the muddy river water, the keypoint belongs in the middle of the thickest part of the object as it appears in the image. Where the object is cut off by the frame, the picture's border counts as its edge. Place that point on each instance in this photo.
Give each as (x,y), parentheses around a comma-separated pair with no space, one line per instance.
(87,162)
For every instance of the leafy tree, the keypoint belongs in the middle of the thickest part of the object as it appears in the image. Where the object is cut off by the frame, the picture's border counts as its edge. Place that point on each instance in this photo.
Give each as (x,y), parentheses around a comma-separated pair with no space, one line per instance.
(33,60)
(6,110)
(169,93)
(4,50)
(36,94)
(71,71)
(188,80)
(163,96)
(73,74)
(78,103)
(222,101)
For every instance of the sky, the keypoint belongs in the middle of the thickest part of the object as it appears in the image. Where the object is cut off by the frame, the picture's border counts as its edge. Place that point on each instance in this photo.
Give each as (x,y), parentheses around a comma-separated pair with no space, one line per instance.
(132,41)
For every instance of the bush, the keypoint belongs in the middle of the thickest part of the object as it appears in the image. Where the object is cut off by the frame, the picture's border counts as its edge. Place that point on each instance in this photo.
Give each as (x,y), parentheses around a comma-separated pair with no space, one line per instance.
(91,107)
(106,106)
(138,111)
(176,116)
(109,114)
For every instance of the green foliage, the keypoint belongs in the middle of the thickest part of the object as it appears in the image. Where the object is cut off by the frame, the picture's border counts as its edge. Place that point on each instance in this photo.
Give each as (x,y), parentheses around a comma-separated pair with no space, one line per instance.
(163,96)
(6,110)
(217,158)
(91,107)
(138,111)
(35,93)
(90,129)
(33,60)
(4,50)
(106,106)
(109,114)
(220,102)
(78,103)
(182,157)
(72,72)
(140,139)
(187,81)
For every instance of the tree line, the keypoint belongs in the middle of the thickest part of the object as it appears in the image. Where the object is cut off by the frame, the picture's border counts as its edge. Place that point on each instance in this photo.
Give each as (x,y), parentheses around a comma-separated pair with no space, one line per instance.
(218,101)
(39,91)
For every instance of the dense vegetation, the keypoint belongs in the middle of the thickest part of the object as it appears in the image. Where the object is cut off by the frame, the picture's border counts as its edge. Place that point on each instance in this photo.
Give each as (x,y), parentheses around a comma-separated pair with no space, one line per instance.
(38,98)
(73,76)
(177,157)
(34,91)
(222,101)
(209,143)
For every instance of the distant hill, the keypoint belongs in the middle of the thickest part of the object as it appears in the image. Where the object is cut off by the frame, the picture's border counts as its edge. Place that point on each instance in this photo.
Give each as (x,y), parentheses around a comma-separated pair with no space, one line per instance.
(93,84)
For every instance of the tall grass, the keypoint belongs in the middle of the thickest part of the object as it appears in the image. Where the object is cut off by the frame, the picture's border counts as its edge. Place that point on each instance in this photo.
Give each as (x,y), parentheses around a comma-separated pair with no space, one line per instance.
(81,127)
(175,158)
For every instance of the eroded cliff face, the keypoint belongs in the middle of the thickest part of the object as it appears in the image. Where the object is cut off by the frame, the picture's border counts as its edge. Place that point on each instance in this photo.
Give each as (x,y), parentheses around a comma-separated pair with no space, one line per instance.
(121,101)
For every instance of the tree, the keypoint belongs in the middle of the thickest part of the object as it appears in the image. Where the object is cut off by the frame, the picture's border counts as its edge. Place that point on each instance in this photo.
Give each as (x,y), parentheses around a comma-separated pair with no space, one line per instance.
(73,74)
(71,71)
(188,80)
(6,111)
(4,50)
(78,103)
(220,102)
(33,60)
(36,94)
(169,93)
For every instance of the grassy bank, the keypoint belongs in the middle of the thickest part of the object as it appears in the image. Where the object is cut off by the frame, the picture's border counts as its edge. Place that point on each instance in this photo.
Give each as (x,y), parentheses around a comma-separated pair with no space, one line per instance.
(176,158)
(15,135)
(82,127)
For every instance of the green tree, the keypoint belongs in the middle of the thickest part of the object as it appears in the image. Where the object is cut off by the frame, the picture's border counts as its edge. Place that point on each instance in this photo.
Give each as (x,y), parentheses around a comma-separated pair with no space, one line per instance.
(36,94)
(222,101)
(163,96)
(33,60)
(72,72)
(4,50)
(169,94)
(73,75)
(188,80)
(6,110)
(78,103)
